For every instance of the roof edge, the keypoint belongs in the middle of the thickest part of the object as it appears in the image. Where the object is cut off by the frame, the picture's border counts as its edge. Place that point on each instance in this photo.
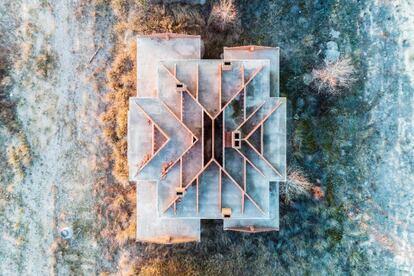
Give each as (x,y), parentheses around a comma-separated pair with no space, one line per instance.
(250,48)
(168,36)
(168,240)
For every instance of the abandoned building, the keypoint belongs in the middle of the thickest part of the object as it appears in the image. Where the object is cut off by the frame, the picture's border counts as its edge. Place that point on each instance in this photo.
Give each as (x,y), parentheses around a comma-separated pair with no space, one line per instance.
(206,138)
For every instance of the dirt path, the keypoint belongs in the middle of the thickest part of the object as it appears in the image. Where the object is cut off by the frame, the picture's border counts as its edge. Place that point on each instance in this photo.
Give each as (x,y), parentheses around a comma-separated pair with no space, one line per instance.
(60,118)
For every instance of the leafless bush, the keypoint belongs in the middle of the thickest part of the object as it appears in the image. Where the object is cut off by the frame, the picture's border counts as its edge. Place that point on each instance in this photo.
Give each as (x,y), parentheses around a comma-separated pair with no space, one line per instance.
(334,75)
(19,158)
(44,62)
(223,15)
(298,184)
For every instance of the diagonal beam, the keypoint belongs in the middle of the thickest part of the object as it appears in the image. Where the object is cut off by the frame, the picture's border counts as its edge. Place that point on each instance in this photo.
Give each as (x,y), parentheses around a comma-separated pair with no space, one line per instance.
(242,88)
(178,119)
(251,115)
(279,103)
(188,185)
(263,158)
(199,104)
(250,162)
(182,155)
(188,92)
(160,129)
(251,229)
(240,188)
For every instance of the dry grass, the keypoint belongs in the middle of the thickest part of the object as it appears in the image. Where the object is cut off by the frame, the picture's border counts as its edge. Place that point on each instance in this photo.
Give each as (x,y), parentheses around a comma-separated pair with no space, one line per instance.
(118,211)
(333,77)
(160,19)
(170,267)
(223,15)
(122,85)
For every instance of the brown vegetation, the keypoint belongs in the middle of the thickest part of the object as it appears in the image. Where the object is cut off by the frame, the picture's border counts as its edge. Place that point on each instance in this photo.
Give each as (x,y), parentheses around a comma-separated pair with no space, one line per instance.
(18,150)
(19,158)
(170,267)
(118,214)
(333,76)
(122,85)
(147,19)
(118,206)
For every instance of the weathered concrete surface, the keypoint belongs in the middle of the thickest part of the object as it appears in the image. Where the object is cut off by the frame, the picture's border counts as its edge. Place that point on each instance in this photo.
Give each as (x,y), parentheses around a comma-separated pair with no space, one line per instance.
(150,50)
(152,228)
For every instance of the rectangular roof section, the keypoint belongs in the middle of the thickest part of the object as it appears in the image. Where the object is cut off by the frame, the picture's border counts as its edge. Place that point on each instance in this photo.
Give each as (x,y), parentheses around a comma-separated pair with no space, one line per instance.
(152,48)
(259,52)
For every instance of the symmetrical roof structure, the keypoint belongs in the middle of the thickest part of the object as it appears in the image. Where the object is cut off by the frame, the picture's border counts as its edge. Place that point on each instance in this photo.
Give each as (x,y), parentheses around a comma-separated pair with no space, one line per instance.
(206,138)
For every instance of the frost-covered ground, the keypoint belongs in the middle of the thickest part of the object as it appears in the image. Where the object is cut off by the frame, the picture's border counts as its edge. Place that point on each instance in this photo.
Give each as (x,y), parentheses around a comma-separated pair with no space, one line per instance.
(59,113)
(358,146)
(388,153)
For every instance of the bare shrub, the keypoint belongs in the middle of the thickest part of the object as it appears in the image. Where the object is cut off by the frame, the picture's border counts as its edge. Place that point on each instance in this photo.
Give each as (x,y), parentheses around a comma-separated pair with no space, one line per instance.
(334,75)
(19,158)
(44,62)
(298,184)
(223,15)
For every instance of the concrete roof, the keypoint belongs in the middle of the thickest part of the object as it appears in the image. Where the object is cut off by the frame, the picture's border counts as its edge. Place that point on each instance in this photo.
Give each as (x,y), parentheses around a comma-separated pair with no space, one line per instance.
(183,146)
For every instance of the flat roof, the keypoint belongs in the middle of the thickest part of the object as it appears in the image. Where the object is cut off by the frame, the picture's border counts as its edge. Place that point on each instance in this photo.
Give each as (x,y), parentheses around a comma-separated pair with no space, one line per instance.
(206,139)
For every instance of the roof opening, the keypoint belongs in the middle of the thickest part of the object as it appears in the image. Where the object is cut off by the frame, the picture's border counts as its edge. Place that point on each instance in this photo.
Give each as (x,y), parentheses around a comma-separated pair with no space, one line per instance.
(236,141)
(226,65)
(179,191)
(226,212)
(237,144)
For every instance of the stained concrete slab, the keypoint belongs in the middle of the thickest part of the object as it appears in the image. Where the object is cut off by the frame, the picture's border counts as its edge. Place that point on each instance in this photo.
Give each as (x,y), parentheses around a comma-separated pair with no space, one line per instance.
(152,48)
(151,228)
(259,52)
(272,223)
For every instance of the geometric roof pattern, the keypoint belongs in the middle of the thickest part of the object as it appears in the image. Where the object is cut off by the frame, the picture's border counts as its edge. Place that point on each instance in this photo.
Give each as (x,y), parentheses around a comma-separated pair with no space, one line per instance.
(208,140)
